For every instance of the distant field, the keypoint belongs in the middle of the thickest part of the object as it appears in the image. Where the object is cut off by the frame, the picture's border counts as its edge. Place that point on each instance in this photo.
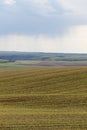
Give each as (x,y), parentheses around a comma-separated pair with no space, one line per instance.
(43,99)
(21,64)
(32,63)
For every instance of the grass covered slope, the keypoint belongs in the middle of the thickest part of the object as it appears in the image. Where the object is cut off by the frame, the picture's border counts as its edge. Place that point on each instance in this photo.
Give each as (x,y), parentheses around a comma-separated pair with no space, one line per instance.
(44,99)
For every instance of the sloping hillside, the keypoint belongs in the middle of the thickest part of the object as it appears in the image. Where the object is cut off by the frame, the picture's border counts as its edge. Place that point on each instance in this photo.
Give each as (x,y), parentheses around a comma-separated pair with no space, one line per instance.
(44,99)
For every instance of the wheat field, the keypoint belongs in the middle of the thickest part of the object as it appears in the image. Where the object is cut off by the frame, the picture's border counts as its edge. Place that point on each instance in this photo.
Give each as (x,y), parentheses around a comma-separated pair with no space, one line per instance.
(43,99)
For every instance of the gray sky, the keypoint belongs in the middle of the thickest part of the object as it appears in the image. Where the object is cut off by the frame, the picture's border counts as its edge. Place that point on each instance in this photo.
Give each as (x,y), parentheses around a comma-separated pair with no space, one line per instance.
(43,25)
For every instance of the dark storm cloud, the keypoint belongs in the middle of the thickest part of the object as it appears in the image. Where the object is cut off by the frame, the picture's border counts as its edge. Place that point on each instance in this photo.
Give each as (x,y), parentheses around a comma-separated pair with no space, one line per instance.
(24,17)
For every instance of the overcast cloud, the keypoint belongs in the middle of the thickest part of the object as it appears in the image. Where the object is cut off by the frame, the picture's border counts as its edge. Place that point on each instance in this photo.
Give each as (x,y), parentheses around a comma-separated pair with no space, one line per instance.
(43,25)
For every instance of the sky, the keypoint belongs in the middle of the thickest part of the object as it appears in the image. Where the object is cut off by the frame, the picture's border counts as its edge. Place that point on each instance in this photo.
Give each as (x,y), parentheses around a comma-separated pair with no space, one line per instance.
(43,26)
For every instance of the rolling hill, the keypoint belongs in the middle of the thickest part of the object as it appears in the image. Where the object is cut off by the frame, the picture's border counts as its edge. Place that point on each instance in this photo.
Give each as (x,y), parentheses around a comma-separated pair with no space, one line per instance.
(44,99)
